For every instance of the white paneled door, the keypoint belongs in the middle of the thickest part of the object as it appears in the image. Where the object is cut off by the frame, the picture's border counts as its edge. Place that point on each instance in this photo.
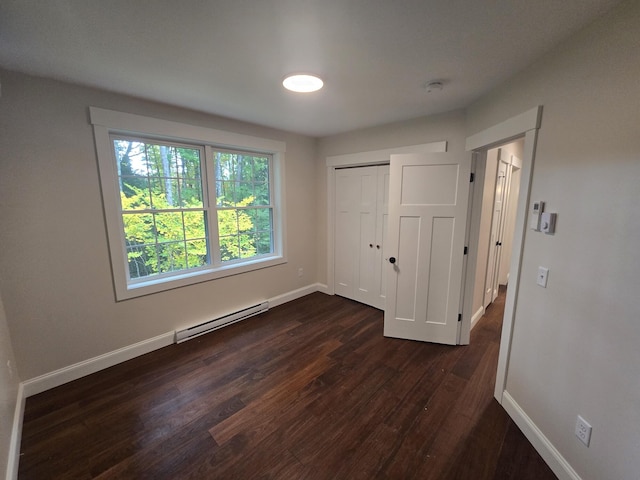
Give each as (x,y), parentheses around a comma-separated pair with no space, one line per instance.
(360,232)
(428,199)
(497,226)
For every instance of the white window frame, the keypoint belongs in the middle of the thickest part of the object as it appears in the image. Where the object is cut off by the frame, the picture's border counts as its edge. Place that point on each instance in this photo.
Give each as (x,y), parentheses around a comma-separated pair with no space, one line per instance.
(108,122)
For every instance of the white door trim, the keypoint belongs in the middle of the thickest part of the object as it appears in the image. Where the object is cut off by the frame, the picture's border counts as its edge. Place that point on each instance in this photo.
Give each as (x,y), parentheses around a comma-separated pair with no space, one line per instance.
(360,159)
(526,124)
(382,156)
(505,132)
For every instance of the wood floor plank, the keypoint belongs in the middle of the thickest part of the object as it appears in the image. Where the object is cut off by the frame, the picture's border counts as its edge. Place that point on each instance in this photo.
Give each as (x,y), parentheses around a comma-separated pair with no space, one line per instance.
(308,390)
(421,430)
(468,409)
(528,466)
(329,445)
(258,415)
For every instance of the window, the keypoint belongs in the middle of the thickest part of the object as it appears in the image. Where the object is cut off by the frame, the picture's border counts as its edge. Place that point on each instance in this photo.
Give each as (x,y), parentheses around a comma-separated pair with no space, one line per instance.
(245,210)
(161,199)
(184,204)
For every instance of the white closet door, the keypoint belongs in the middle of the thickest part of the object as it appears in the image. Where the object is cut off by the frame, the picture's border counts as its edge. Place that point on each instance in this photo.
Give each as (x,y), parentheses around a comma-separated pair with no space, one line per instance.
(495,241)
(359,233)
(382,226)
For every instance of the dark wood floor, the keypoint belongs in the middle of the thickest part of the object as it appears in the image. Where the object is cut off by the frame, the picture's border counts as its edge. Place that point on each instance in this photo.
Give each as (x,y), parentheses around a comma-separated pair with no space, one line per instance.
(309,390)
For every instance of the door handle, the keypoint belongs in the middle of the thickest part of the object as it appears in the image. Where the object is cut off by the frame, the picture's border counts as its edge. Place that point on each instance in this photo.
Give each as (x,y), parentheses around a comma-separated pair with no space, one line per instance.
(498,244)
(392,260)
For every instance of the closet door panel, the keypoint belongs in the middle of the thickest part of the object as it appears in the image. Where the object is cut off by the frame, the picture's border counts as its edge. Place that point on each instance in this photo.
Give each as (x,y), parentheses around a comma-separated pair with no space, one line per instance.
(382,217)
(359,233)
(345,241)
(366,226)
(354,227)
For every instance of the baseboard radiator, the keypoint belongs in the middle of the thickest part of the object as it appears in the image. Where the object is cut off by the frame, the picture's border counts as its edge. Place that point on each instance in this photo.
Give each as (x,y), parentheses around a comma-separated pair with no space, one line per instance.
(206,327)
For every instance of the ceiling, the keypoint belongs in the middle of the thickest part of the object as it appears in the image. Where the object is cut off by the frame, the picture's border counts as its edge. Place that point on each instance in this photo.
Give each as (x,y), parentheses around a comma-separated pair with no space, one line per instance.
(228,57)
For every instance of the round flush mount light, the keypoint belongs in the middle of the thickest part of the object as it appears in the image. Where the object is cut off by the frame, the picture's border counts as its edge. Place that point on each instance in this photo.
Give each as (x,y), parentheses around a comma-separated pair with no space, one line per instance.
(302,83)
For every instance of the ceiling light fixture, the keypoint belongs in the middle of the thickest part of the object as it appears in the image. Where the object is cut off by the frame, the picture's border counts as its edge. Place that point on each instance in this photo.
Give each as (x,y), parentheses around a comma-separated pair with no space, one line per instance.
(302,83)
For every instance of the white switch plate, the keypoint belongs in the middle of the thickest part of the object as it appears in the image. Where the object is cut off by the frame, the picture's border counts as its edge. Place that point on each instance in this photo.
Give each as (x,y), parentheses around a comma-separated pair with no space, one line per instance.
(543,273)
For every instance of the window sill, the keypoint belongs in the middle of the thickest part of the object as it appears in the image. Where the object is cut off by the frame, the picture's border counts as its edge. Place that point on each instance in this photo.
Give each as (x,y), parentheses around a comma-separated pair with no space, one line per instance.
(156,285)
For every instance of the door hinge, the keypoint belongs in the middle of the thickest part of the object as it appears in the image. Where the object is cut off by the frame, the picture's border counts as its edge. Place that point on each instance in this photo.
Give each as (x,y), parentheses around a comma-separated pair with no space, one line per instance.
(472,177)
(459,317)
(466,250)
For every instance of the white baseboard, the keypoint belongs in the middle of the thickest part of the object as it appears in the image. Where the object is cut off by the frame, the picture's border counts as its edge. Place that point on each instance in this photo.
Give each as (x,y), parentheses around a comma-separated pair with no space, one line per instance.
(477,316)
(540,442)
(16,436)
(294,294)
(92,365)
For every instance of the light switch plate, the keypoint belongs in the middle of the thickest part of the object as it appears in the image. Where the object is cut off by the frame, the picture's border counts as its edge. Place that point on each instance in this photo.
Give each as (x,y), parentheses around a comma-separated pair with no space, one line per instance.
(543,273)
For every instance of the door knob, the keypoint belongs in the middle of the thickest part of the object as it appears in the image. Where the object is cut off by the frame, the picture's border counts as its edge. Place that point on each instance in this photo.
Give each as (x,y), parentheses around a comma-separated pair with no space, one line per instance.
(392,259)
(371,245)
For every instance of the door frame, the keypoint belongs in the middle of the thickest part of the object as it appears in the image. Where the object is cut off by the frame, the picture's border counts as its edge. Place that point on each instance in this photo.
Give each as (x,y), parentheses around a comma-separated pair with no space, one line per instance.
(360,159)
(524,125)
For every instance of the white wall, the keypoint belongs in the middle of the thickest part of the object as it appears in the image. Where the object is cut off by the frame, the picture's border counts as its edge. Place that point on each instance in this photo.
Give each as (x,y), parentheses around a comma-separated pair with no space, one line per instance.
(576,344)
(56,279)
(8,390)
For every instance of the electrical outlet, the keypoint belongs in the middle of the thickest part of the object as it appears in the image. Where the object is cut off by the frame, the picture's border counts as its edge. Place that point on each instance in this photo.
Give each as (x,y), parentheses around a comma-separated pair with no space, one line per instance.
(583,430)
(300,272)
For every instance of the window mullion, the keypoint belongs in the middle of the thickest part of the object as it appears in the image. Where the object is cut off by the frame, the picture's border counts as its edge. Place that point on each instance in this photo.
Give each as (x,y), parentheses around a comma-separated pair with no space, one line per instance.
(211,203)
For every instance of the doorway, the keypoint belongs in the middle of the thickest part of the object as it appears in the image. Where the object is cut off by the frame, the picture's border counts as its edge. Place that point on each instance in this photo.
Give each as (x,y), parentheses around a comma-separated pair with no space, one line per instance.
(501,186)
(524,126)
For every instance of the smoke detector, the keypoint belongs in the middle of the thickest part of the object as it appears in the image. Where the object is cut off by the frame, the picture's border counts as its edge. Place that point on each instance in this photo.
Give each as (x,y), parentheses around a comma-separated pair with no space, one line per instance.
(433,87)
